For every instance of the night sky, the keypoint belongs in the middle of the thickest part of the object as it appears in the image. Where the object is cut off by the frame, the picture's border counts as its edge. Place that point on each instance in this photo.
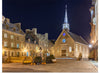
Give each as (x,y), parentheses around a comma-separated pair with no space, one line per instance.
(48,15)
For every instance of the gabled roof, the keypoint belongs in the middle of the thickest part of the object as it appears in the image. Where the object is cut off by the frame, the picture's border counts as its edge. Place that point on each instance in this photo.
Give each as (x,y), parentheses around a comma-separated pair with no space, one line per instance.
(77,38)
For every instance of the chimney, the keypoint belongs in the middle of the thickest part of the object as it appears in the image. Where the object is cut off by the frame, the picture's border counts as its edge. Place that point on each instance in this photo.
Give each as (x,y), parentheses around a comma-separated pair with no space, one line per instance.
(27,30)
(34,30)
(3,19)
(46,35)
(7,20)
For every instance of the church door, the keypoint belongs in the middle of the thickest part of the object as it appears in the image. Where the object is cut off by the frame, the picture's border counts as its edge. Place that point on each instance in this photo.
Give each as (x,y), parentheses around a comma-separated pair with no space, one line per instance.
(63,52)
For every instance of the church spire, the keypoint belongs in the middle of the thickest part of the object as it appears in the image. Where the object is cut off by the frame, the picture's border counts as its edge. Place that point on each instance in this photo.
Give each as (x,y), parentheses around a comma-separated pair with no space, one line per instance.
(66,25)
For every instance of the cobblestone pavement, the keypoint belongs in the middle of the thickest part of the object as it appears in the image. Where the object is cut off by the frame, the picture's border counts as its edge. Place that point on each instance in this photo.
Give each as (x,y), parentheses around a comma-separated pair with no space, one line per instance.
(61,66)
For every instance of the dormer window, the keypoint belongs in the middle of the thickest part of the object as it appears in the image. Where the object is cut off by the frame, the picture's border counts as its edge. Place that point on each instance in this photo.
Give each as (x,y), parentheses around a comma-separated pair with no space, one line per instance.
(14,29)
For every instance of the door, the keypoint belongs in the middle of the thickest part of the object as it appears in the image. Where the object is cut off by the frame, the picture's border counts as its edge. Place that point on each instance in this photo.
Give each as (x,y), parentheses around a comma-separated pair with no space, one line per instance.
(63,52)
(17,54)
(27,54)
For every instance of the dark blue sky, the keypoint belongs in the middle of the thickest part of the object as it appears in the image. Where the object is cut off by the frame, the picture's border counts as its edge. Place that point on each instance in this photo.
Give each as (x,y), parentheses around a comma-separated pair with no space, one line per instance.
(48,15)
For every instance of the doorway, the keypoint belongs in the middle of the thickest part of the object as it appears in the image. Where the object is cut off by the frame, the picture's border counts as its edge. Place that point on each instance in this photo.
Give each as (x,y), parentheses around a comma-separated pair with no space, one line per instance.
(63,52)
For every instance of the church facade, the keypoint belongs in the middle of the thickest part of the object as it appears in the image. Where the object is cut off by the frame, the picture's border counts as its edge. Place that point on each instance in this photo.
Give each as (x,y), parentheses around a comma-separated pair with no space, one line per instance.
(69,44)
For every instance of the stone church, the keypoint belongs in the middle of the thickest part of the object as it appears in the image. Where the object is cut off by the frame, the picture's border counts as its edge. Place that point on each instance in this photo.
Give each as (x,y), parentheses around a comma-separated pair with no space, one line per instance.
(69,44)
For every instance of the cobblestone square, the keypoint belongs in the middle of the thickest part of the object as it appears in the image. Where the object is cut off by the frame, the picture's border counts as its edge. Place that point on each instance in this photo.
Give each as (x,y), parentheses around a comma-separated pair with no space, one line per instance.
(62,65)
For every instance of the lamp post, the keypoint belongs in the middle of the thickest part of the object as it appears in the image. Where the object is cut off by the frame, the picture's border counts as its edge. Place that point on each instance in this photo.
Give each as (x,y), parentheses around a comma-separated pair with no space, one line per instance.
(40,51)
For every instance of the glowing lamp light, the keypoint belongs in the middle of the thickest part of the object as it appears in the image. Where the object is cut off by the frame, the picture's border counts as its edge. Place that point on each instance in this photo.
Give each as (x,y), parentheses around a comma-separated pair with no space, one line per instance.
(92,41)
(25,50)
(90,46)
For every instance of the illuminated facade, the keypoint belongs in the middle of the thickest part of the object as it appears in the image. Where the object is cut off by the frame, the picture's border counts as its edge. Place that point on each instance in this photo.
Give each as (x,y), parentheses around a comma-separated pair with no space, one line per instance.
(69,44)
(16,43)
(13,39)
(94,28)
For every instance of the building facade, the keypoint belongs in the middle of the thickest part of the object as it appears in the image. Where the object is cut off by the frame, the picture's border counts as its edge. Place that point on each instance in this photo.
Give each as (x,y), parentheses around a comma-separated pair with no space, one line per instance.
(69,44)
(94,29)
(16,43)
(13,39)
(41,40)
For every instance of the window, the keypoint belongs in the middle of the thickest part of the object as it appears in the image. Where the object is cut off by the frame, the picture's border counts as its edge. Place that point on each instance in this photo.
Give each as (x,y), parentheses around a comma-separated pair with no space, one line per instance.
(17,54)
(64,34)
(63,40)
(80,48)
(17,45)
(76,47)
(22,53)
(12,44)
(5,44)
(12,37)
(17,38)
(21,45)
(5,53)
(12,54)
(70,49)
(5,35)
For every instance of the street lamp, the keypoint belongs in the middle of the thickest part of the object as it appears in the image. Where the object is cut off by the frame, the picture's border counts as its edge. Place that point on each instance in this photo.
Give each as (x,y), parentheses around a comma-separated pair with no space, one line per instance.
(40,50)
(90,46)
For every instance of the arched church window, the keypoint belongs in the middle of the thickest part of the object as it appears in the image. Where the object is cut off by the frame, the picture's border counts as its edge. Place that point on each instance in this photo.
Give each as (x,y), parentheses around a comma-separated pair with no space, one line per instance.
(70,49)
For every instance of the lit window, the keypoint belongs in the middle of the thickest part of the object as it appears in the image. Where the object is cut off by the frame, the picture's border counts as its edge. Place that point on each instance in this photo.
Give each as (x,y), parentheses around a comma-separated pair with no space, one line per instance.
(70,49)
(12,44)
(5,35)
(76,47)
(63,40)
(17,45)
(80,48)
(91,13)
(21,46)
(5,44)
(12,37)
(5,53)
(64,34)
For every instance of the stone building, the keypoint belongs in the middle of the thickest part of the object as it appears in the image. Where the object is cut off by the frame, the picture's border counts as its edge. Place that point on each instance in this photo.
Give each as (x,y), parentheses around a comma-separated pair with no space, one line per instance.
(69,44)
(94,29)
(13,38)
(41,40)
(51,46)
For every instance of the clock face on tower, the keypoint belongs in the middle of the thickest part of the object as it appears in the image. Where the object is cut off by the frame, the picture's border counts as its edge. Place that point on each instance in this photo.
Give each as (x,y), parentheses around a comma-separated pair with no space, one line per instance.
(64,40)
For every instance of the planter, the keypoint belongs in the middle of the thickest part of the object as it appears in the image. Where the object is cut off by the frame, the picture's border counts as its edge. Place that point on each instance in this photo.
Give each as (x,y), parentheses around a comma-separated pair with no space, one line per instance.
(54,60)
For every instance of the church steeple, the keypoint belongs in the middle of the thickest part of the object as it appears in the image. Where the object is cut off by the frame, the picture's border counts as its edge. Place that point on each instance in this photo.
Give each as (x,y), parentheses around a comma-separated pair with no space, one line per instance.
(66,25)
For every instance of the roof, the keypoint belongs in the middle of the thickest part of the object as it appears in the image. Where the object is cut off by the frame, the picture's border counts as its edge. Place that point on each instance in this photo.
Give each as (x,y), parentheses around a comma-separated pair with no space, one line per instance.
(77,38)
(12,26)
